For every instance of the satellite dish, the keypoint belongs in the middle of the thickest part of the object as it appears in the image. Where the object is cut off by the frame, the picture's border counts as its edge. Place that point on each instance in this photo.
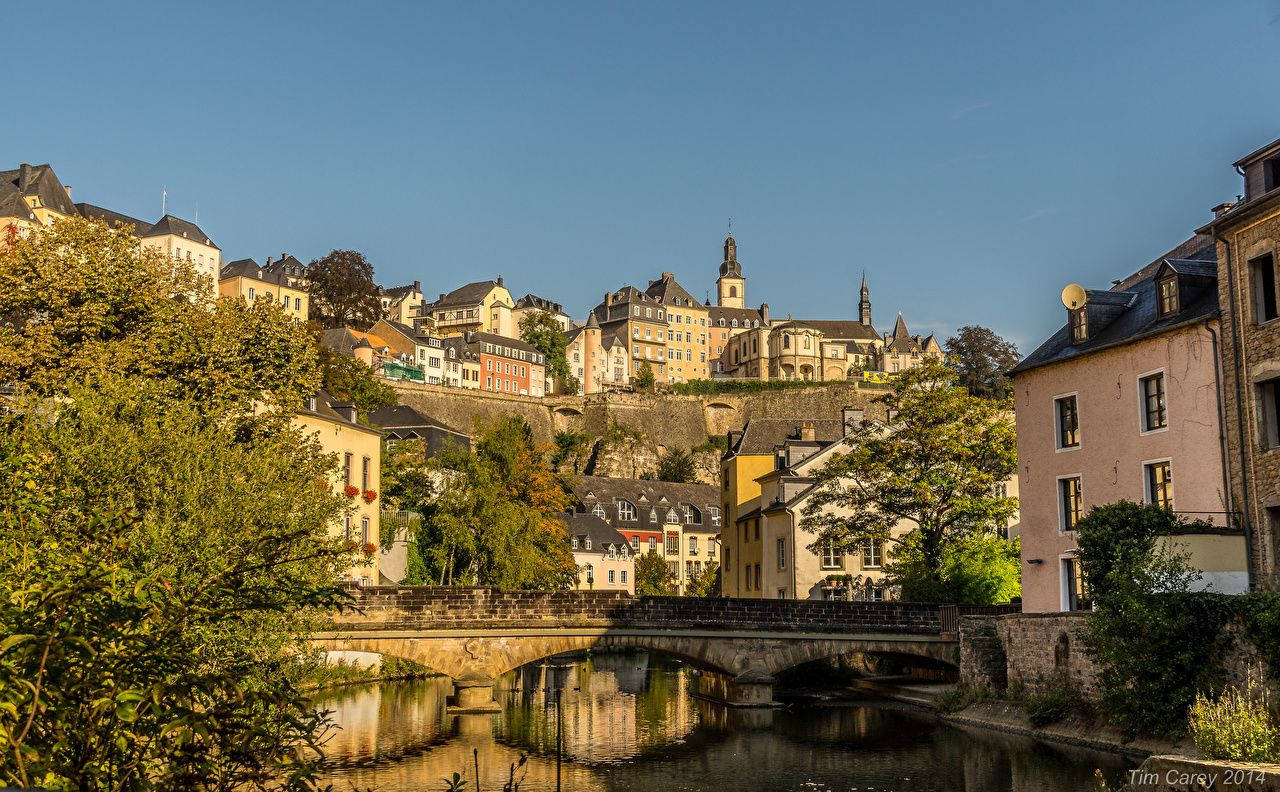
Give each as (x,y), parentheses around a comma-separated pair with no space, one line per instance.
(1073,296)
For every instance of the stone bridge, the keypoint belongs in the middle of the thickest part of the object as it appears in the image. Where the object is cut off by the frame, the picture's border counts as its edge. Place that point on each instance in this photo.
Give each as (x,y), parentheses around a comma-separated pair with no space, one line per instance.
(476,634)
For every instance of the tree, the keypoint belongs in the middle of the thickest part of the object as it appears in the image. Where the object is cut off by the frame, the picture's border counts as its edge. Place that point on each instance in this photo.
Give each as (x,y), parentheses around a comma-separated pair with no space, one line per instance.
(644,376)
(494,518)
(342,290)
(981,358)
(81,303)
(976,570)
(349,379)
(540,330)
(707,582)
(676,466)
(162,567)
(935,468)
(653,579)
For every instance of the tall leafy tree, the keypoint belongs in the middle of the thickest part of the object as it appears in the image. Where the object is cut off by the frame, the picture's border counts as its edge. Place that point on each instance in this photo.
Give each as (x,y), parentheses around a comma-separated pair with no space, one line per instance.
(653,579)
(706,583)
(981,358)
(492,516)
(343,291)
(349,379)
(80,303)
(644,376)
(934,467)
(540,330)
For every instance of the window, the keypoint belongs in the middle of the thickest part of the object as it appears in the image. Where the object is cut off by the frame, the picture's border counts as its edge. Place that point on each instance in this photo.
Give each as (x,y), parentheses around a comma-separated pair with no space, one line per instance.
(653,544)
(1067,419)
(1079,325)
(626,511)
(1262,274)
(574,542)
(1153,409)
(1068,503)
(747,569)
(346,468)
(672,517)
(715,512)
(672,545)
(364,531)
(872,553)
(831,558)
(1167,293)
(759,580)
(782,554)
(624,577)
(591,574)
(1159,479)
(1271,174)
(1269,413)
(251,295)
(586,543)
(786,342)
(1076,595)
(693,545)
(598,511)
(364,473)
(635,543)
(611,576)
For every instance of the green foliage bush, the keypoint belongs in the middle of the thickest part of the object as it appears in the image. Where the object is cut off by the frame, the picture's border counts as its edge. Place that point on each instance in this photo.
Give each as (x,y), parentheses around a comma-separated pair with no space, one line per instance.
(567,443)
(714,443)
(1050,700)
(975,570)
(676,466)
(1238,725)
(961,696)
(712,387)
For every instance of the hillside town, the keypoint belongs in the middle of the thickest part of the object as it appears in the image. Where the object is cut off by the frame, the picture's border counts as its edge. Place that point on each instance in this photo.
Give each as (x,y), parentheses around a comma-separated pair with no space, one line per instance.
(659,458)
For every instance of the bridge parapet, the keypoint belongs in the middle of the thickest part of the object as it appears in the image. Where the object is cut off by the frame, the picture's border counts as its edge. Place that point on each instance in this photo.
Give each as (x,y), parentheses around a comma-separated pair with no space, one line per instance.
(444,607)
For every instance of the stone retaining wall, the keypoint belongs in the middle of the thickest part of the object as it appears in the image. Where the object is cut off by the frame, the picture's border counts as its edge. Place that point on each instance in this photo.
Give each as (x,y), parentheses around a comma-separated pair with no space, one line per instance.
(1021,649)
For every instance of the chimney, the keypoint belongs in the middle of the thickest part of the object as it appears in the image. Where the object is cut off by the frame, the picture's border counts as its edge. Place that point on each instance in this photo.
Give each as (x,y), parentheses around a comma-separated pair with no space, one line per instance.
(499,280)
(1222,208)
(417,286)
(852,418)
(808,431)
(24,176)
(283,255)
(441,297)
(68,186)
(268,264)
(608,299)
(668,276)
(764,313)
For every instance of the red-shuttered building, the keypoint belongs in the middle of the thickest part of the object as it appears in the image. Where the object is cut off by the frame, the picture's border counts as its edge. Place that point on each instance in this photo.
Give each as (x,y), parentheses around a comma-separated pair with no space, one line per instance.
(508,365)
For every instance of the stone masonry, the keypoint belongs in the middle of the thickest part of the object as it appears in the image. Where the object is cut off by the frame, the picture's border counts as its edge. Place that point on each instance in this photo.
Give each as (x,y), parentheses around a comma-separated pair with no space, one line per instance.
(1021,649)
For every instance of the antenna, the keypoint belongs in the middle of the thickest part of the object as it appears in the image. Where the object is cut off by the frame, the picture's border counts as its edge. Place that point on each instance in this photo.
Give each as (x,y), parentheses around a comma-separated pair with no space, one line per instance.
(1073,296)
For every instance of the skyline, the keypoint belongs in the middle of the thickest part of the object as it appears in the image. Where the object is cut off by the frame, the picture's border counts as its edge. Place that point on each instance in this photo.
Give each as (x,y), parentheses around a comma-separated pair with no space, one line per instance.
(961,157)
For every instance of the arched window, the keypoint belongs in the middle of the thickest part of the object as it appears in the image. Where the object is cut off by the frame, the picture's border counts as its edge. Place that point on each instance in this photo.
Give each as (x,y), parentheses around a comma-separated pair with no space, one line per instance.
(722,321)
(626,511)
(786,342)
(806,342)
(672,517)
(733,291)
(653,515)
(734,323)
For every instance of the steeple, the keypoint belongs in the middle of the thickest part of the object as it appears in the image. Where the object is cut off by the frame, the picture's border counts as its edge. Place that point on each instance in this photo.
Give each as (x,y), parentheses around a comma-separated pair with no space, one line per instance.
(731,287)
(864,304)
(900,329)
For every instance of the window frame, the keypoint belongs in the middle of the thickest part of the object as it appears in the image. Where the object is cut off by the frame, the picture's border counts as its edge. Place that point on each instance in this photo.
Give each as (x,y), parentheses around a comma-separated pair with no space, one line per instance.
(1078,325)
(1257,294)
(1071,585)
(1143,410)
(831,558)
(1059,496)
(1149,466)
(1174,298)
(1074,396)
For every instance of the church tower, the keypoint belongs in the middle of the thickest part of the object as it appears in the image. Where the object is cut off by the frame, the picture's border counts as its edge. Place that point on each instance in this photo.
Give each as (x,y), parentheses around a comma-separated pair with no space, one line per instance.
(864,304)
(731,287)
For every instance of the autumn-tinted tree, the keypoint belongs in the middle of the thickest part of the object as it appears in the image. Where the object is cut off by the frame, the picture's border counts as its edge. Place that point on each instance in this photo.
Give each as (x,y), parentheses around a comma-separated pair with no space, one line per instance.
(81,303)
(981,358)
(343,291)
(494,518)
(540,330)
(677,466)
(934,469)
(349,379)
(706,583)
(653,579)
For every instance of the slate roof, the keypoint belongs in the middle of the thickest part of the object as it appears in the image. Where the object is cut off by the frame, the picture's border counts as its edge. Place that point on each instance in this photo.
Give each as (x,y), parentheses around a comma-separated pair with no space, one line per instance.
(836,329)
(542,303)
(588,526)
(667,291)
(400,292)
(33,180)
(248,268)
(469,294)
(717,312)
(1133,302)
(179,227)
(322,406)
(497,340)
(645,494)
(400,418)
(112,218)
(763,435)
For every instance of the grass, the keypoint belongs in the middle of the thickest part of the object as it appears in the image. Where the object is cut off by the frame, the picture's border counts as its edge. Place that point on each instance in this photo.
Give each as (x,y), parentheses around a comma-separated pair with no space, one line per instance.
(343,672)
(961,696)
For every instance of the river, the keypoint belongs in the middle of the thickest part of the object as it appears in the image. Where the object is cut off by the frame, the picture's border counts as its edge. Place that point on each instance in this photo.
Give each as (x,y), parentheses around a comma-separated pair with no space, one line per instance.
(631,723)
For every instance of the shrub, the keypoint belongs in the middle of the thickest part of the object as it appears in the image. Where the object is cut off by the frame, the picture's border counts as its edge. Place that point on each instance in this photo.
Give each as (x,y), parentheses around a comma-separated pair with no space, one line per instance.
(961,696)
(712,387)
(1237,725)
(714,443)
(1050,700)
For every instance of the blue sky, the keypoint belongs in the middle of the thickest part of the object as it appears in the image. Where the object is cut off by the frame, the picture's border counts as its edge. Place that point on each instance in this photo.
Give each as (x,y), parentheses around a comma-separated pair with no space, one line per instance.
(973,158)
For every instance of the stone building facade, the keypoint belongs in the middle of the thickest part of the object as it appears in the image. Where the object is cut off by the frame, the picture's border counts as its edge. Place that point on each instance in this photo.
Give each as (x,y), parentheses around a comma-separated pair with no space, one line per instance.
(1247,239)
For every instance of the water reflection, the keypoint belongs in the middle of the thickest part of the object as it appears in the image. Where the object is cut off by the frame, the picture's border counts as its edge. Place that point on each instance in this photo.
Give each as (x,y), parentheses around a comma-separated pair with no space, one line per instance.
(630,722)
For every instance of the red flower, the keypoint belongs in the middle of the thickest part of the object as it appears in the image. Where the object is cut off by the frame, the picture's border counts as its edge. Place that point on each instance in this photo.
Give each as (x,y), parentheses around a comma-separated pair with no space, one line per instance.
(370,549)
(370,496)
(351,490)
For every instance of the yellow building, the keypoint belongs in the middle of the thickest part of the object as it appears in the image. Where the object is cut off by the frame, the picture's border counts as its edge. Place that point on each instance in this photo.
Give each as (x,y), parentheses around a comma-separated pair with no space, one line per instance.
(182,239)
(687,335)
(632,314)
(484,306)
(244,279)
(358,476)
(403,304)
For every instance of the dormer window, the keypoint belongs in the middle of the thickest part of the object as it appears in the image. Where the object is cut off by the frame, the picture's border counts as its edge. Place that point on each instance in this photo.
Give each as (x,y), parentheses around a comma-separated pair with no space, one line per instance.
(1079,327)
(587,543)
(1167,295)
(1271,173)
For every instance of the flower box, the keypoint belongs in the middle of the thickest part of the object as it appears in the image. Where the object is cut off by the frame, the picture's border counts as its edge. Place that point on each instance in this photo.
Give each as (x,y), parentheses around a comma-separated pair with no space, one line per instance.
(370,496)
(351,490)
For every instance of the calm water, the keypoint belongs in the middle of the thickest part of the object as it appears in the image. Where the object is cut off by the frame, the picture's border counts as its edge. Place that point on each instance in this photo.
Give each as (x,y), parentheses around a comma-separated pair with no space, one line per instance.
(630,723)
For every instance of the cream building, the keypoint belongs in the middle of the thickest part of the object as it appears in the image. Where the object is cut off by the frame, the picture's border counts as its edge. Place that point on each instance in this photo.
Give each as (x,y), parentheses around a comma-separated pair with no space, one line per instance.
(358,449)
(484,306)
(244,279)
(402,304)
(598,359)
(605,560)
(532,303)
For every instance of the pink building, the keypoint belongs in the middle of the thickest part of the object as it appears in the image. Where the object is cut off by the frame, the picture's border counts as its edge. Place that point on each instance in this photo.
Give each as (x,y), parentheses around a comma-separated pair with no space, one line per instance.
(1122,403)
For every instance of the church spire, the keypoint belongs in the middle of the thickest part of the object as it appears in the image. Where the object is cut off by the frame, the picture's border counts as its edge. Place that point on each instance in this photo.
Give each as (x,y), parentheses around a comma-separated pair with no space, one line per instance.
(864,304)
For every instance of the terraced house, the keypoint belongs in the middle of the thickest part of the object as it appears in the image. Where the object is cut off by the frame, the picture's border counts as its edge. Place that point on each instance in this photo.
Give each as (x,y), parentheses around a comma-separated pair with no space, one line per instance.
(681,522)
(244,279)
(483,306)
